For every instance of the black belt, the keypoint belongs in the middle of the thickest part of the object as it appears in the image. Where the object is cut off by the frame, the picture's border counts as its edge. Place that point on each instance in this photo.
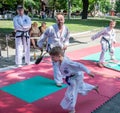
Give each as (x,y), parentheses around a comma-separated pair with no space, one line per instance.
(22,35)
(109,45)
(67,78)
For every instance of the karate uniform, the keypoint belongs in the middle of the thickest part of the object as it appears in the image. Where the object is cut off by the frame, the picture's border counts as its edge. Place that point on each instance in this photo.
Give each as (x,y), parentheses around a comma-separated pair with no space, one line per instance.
(54,38)
(107,39)
(22,24)
(74,71)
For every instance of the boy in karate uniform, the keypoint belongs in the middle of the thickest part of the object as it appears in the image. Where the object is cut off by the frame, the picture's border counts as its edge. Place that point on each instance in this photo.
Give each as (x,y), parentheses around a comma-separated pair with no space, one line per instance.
(73,74)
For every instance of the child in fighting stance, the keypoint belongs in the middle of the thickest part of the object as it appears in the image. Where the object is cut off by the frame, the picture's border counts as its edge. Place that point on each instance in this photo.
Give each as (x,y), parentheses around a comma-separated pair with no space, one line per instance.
(107,39)
(73,74)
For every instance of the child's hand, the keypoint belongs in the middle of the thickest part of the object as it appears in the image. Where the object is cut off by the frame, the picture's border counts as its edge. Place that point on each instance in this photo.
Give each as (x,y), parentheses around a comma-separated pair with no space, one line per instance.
(92,38)
(114,42)
(91,74)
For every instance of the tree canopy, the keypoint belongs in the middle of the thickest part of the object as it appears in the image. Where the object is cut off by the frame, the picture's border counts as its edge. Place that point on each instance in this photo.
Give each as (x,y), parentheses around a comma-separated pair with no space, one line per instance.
(82,6)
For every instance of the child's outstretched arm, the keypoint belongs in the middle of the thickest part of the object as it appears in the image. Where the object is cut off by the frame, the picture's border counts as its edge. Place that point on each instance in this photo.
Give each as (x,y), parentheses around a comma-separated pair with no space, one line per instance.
(97,35)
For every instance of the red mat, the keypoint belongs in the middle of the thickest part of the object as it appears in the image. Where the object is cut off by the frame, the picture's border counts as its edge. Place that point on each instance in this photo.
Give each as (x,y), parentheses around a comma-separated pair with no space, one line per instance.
(106,79)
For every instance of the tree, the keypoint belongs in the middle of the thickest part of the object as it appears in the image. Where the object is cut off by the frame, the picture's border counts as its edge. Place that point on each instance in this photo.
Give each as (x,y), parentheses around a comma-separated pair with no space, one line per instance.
(85,9)
(117,6)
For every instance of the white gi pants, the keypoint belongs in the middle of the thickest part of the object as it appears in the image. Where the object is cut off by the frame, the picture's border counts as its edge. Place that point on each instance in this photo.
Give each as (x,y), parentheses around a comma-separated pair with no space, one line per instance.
(77,85)
(105,47)
(22,47)
(57,74)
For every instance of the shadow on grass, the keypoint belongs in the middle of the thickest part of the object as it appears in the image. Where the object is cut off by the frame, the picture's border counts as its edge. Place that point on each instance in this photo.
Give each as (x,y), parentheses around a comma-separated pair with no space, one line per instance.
(4,31)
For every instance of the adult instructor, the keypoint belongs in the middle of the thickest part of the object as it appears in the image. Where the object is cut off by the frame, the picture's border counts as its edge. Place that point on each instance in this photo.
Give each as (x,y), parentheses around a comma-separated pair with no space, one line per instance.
(56,35)
(22,24)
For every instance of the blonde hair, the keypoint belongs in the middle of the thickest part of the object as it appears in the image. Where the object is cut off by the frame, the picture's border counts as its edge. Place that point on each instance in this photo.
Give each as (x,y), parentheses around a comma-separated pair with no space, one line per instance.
(35,23)
(112,20)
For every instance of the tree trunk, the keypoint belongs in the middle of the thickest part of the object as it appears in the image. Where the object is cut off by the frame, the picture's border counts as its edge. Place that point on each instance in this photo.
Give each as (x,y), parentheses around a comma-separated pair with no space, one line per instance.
(43,6)
(54,8)
(69,9)
(85,9)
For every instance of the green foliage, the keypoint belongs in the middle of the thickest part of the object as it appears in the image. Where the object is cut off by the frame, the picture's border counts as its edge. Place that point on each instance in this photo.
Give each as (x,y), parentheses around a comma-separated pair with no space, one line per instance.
(105,6)
(34,4)
(58,4)
(76,5)
(10,3)
(0,5)
(117,6)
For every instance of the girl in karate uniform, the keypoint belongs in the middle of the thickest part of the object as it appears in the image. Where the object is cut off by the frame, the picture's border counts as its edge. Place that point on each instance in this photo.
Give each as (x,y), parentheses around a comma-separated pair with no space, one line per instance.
(107,39)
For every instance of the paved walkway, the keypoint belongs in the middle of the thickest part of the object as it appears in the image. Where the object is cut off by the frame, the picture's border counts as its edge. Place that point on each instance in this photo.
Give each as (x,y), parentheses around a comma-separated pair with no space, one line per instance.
(77,41)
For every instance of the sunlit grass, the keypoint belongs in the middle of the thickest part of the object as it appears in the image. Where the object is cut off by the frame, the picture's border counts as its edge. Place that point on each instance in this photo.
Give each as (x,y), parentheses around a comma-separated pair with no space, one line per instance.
(74,25)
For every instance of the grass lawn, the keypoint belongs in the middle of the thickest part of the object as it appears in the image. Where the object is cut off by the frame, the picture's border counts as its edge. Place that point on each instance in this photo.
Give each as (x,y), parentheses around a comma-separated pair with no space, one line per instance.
(74,25)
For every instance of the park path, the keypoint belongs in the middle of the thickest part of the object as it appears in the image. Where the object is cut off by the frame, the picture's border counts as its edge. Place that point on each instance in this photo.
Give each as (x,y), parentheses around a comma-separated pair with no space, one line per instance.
(77,41)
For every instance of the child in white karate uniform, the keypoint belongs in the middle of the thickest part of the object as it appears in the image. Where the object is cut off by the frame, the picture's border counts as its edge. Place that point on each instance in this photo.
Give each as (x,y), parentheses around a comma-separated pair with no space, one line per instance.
(73,74)
(107,39)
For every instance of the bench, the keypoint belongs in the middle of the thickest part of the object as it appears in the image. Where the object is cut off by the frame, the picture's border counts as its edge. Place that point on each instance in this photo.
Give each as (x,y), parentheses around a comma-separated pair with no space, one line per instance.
(8,38)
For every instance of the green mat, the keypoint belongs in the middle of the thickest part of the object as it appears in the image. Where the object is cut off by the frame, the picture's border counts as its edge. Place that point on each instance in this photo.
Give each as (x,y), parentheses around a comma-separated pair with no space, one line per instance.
(111,65)
(111,106)
(32,89)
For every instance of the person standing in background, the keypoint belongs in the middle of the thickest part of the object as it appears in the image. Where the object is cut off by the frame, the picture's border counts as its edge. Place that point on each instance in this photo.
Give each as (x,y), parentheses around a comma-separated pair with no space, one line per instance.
(22,25)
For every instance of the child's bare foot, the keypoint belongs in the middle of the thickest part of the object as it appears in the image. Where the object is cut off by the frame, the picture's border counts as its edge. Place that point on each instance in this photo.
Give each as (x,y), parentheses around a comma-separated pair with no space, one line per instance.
(100,64)
(72,111)
(59,84)
(96,89)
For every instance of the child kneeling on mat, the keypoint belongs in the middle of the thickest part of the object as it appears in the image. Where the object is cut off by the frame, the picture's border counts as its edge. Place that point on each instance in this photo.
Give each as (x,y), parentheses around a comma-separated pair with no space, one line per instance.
(73,74)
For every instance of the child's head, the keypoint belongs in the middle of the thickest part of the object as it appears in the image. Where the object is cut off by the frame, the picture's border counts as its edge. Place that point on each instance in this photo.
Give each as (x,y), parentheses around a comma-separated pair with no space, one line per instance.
(43,24)
(112,23)
(56,53)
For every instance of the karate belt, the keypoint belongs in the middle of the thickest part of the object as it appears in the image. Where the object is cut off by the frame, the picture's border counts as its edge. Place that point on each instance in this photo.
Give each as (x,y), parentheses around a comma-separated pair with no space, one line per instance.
(109,45)
(67,78)
(23,34)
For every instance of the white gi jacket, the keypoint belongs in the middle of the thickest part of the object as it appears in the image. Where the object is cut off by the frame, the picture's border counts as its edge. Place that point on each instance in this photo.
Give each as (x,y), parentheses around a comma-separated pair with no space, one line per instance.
(22,23)
(107,38)
(107,34)
(77,84)
(69,67)
(53,37)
